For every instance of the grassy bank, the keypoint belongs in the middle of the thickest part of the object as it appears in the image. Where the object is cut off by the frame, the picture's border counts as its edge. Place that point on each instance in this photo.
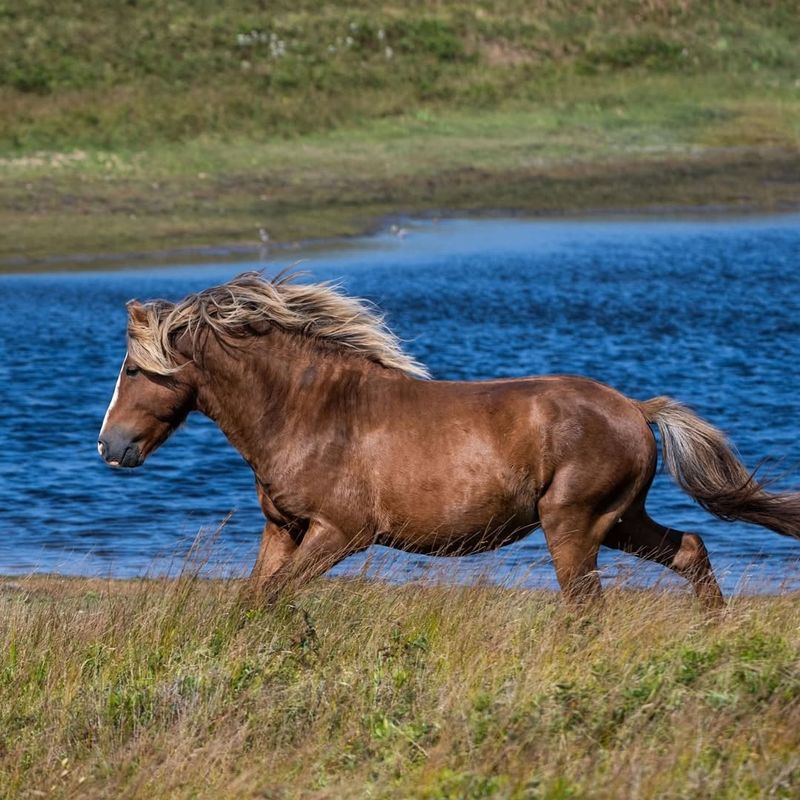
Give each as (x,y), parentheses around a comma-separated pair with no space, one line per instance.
(166,689)
(153,126)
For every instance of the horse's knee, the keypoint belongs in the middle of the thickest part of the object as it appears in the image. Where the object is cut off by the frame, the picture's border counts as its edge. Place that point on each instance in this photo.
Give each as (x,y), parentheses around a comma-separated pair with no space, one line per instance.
(692,556)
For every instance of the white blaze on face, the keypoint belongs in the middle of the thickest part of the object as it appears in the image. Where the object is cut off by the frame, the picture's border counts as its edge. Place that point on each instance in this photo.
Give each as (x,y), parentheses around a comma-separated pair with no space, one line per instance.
(112,403)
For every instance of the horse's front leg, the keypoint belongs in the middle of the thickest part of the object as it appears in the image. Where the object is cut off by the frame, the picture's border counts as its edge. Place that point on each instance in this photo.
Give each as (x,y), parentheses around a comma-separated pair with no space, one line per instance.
(277,547)
(322,546)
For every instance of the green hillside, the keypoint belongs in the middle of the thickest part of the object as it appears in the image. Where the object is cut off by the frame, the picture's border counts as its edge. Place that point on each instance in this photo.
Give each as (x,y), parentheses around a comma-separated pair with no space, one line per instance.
(192,123)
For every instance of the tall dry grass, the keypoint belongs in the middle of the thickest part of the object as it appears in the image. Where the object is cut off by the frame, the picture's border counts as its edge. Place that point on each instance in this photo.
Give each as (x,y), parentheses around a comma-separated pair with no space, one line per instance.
(357,688)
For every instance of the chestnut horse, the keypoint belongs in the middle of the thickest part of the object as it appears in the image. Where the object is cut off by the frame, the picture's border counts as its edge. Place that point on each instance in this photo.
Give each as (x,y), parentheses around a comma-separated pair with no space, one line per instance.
(351,444)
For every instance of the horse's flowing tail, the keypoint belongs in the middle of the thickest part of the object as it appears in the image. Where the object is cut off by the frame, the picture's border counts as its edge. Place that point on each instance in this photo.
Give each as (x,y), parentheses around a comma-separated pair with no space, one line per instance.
(704,465)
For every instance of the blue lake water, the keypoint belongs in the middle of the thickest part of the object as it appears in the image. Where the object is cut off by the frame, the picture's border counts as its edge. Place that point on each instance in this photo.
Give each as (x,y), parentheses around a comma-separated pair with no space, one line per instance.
(706,311)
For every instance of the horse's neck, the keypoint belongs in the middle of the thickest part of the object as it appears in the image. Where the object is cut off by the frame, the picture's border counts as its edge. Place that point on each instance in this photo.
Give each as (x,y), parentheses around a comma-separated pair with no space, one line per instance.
(277,395)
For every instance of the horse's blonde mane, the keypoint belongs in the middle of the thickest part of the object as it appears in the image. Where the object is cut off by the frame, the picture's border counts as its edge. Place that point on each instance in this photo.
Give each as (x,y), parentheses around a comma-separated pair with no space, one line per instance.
(316,310)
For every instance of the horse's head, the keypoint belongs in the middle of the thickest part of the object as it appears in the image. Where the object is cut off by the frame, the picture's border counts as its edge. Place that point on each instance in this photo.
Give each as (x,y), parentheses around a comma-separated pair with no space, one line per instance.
(146,406)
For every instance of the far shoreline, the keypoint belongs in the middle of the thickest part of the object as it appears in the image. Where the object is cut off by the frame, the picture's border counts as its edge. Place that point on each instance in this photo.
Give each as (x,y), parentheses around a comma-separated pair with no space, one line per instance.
(238,252)
(82,232)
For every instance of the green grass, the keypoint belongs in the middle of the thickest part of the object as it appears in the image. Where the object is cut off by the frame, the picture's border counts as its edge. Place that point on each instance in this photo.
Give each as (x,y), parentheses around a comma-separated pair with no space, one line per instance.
(159,125)
(169,689)
(110,75)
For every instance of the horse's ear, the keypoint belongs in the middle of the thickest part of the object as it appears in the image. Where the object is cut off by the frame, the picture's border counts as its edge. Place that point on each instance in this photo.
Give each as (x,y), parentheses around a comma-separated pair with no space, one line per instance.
(260,327)
(136,312)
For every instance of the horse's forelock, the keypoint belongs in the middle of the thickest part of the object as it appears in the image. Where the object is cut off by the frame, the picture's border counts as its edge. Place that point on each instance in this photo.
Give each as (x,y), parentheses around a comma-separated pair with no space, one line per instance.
(150,336)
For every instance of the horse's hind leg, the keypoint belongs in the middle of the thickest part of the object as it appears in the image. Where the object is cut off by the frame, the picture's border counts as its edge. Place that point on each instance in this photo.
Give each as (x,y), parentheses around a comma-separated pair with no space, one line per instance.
(574,535)
(682,552)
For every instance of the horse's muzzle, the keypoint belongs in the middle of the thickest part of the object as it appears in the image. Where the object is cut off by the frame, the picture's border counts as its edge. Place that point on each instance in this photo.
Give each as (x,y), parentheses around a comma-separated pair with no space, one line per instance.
(119,451)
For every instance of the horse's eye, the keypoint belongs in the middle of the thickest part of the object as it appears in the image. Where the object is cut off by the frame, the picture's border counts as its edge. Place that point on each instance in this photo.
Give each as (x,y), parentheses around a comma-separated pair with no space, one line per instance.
(131,371)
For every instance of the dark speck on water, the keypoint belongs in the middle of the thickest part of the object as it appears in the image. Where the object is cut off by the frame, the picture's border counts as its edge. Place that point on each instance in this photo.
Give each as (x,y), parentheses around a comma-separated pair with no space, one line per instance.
(705,311)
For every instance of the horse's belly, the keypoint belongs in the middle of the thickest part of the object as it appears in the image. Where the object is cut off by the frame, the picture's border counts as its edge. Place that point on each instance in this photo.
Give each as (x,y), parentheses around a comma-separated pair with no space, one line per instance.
(470,532)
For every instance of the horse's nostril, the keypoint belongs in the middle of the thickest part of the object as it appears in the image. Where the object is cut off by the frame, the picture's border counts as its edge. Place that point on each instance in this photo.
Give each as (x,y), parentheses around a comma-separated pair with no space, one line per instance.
(101,447)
